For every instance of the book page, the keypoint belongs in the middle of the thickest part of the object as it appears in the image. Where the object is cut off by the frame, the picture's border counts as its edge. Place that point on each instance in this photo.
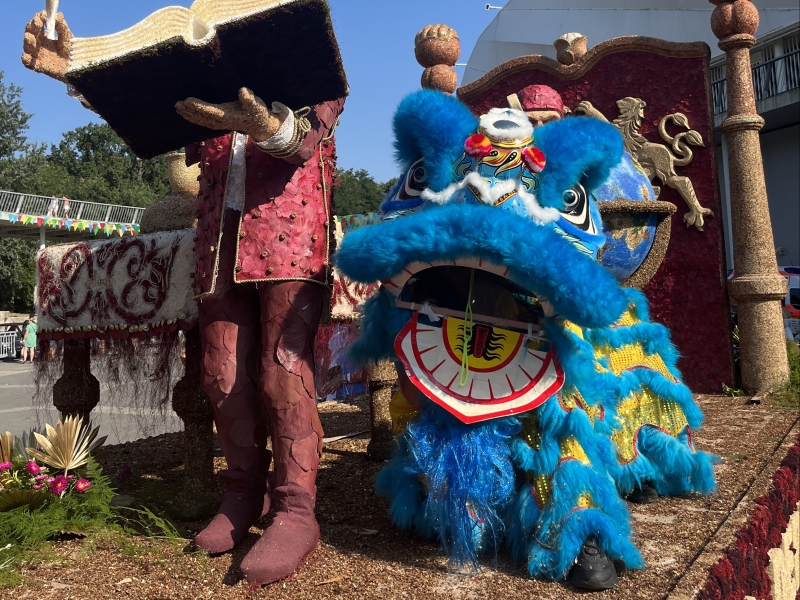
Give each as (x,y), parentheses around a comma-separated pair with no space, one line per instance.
(164,24)
(215,12)
(195,25)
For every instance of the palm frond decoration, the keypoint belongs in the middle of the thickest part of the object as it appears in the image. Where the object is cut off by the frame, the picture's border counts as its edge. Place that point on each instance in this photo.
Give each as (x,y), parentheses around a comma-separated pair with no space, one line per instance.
(67,445)
(13,498)
(6,446)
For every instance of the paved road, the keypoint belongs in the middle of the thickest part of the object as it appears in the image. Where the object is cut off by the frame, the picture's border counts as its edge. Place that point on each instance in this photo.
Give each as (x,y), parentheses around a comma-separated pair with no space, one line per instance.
(17,413)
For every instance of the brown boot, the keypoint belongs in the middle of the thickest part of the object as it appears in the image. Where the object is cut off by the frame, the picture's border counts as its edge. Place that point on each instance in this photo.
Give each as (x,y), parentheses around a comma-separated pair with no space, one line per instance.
(290,312)
(293,535)
(247,498)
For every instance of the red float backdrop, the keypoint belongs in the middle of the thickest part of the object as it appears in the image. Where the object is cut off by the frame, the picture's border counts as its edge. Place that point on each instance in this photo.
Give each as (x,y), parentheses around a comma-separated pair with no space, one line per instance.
(688,292)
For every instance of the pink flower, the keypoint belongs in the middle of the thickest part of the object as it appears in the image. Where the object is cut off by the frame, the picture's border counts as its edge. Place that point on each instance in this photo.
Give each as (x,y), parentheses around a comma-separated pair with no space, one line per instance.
(59,485)
(51,479)
(40,477)
(82,485)
(70,477)
(33,468)
(5,466)
(38,487)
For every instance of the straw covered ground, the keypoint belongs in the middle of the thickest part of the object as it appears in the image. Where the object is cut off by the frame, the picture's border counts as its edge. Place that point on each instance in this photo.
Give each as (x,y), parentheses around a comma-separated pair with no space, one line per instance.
(362,556)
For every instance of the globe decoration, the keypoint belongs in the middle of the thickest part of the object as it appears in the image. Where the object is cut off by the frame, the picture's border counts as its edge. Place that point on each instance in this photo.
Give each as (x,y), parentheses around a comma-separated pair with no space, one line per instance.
(632,220)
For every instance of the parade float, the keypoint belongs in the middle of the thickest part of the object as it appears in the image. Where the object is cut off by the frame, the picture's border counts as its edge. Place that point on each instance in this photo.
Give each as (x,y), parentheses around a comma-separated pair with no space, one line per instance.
(140,295)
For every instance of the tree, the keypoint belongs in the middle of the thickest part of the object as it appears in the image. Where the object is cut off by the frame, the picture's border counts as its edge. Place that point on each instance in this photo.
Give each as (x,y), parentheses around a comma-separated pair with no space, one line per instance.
(17,274)
(13,120)
(19,161)
(356,192)
(93,163)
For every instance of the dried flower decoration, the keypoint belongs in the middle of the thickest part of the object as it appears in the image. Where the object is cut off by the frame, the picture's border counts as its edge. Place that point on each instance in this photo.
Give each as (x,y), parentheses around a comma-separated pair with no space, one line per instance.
(67,445)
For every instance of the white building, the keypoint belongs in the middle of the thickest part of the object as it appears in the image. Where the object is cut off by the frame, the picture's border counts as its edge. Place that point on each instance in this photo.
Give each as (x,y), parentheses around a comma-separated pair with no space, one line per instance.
(530,26)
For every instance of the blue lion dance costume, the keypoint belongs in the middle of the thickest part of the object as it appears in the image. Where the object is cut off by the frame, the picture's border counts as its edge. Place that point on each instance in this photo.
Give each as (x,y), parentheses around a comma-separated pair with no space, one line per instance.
(541,391)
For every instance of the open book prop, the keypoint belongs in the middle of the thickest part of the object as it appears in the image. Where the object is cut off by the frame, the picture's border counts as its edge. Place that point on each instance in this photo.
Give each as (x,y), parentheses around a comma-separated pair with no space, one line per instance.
(283,50)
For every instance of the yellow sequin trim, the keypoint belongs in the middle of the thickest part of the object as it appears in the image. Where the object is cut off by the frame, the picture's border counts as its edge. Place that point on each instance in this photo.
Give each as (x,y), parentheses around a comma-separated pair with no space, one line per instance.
(530,432)
(631,356)
(570,326)
(641,409)
(628,319)
(540,486)
(585,501)
(573,399)
(571,448)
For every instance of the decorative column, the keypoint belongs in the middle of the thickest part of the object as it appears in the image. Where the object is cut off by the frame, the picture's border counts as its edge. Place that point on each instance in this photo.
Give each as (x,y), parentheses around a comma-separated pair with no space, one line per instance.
(192,405)
(757,286)
(77,391)
(437,48)
(382,378)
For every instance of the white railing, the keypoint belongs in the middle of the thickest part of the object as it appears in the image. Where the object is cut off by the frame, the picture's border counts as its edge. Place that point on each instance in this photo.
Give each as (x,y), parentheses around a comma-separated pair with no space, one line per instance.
(8,344)
(29,204)
(770,78)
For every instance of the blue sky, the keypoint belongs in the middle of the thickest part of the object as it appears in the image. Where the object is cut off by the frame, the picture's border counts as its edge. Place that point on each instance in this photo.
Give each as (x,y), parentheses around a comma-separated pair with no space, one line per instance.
(376,39)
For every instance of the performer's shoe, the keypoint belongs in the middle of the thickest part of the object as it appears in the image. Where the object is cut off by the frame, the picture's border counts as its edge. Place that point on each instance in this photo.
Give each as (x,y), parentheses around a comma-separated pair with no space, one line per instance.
(644,494)
(293,535)
(246,500)
(593,570)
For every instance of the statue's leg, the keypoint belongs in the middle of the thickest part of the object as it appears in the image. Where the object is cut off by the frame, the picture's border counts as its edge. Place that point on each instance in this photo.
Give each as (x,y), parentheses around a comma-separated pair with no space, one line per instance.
(229,335)
(290,312)
(686,190)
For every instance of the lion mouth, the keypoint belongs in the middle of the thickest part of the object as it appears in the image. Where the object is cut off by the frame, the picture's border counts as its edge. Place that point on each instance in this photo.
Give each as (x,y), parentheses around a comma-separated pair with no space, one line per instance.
(474,344)
(451,288)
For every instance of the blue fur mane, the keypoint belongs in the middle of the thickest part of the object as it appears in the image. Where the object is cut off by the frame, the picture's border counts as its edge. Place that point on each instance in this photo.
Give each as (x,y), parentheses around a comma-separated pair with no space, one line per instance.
(538,258)
(578,150)
(432,125)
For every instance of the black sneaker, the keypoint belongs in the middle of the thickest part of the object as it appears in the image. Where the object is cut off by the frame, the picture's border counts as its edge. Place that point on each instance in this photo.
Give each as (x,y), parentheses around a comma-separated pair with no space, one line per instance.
(644,494)
(593,570)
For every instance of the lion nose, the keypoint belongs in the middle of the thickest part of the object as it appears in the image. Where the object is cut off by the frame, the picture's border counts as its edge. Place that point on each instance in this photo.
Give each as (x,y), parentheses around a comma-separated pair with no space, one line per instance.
(505,124)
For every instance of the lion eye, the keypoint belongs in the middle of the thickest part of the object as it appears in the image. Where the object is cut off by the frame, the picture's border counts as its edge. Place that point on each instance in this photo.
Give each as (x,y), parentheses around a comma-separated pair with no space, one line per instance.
(414,182)
(572,200)
(576,209)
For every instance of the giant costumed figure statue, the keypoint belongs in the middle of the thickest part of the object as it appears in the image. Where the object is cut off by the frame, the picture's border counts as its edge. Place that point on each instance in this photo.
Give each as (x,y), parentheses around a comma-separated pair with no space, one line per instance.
(261,279)
(534,391)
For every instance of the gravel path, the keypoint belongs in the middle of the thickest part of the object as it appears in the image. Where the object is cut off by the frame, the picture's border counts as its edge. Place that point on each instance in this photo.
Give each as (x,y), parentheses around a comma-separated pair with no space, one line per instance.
(362,556)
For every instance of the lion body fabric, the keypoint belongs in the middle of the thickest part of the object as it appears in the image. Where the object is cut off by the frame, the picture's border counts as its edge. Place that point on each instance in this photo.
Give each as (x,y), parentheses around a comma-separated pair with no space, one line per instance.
(539,482)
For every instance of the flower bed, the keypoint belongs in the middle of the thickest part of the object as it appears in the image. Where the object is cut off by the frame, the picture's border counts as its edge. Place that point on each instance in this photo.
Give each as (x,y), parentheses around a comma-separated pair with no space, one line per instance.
(50,485)
(752,565)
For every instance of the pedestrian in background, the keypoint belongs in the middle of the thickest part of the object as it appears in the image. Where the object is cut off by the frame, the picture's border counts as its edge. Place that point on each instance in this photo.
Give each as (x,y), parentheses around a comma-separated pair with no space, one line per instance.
(29,339)
(52,210)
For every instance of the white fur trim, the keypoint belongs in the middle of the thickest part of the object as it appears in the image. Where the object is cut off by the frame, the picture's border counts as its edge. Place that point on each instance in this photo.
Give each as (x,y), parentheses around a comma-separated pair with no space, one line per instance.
(443,196)
(284,135)
(488,194)
(538,213)
(523,130)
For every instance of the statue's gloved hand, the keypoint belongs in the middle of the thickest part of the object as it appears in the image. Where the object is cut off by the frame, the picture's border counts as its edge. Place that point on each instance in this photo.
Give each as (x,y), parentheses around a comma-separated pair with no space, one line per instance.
(43,55)
(248,115)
